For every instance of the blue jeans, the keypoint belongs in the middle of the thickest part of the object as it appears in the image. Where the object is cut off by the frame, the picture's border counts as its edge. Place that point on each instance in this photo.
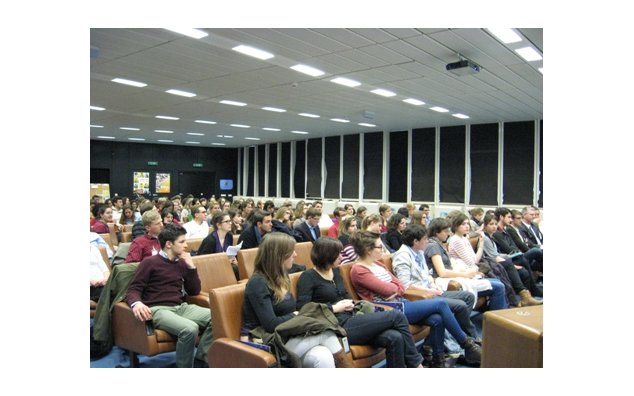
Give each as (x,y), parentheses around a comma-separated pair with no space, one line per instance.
(436,314)
(497,297)
(389,330)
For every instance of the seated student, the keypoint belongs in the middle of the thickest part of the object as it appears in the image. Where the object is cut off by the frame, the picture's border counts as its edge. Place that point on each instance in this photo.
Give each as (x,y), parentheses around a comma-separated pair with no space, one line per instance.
(310,228)
(261,225)
(268,303)
(99,273)
(389,329)
(148,244)
(409,266)
(385,211)
(520,278)
(103,214)
(338,214)
(156,293)
(138,229)
(476,221)
(220,240)
(438,260)
(236,221)
(395,226)
(372,223)
(530,259)
(96,240)
(374,282)
(347,228)
(197,228)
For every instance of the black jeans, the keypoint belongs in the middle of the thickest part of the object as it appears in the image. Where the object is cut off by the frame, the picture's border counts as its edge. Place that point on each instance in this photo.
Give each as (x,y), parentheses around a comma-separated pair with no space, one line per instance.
(390,330)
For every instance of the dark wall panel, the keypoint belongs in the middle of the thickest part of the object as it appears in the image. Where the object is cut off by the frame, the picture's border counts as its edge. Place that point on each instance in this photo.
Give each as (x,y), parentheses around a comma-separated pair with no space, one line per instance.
(313,168)
(332,160)
(261,168)
(300,168)
(519,160)
(397,191)
(484,164)
(251,172)
(286,169)
(273,170)
(423,164)
(350,183)
(121,159)
(452,164)
(373,165)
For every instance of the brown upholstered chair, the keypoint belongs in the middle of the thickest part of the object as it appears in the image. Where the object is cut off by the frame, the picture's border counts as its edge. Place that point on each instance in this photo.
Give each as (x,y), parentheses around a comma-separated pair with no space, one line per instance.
(246,262)
(193,244)
(104,256)
(108,239)
(113,234)
(303,250)
(214,270)
(126,236)
(235,239)
(323,231)
(418,332)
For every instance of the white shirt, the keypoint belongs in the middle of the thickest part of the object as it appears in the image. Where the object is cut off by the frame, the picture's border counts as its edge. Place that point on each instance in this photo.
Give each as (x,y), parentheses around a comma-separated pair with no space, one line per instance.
(196,231)
(97,266)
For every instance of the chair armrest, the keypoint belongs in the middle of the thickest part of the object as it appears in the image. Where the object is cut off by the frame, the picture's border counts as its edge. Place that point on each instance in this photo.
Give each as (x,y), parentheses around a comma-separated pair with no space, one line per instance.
(201,299)
(243,281)
(414,294)
(229,353)
(129,332)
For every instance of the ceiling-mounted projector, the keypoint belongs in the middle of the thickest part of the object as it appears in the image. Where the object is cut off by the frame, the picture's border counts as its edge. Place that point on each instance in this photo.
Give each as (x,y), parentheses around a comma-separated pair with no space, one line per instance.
(463,67)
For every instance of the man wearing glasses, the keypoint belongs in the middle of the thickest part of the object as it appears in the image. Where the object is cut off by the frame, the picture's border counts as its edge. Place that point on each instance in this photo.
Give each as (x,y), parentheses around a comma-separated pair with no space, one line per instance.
(198,227)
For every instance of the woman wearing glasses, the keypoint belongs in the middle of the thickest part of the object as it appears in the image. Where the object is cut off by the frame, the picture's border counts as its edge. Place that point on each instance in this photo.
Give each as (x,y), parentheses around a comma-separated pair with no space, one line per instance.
(220,239)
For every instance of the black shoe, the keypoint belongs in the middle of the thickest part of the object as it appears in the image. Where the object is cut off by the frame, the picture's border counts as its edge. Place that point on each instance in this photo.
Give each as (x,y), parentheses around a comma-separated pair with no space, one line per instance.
(472,351)
(199,363)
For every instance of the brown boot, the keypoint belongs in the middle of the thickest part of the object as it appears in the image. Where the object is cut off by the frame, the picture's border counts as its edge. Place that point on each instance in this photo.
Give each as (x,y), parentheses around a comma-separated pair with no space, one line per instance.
(527,299)
(343,360)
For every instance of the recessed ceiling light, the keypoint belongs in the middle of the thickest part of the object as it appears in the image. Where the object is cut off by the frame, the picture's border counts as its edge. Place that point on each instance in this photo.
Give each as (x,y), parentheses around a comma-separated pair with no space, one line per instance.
(130,129)
(166,141)
(251,138)
(383,92)
(459,115)
(346,81)
(105,137)
(194,33)
(225,136)
(529,54)
(193,142)
(205,122)
(96,126)
(339,120)
(139,139)
(311,71)
(300,132)
(414,102)
(505,35)
(218,144)
(195,134)
(167,117)
(240,126)
(181,93)
(439,109)
(309,115)
(275,109)
(129,82)
(97,108)
(163,131)
(254,52)
(232,103)
(271,129)
(366,124)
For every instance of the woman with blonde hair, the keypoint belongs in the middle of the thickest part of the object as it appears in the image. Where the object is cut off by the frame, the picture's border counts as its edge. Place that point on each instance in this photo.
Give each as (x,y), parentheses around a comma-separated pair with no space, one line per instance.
(268,302)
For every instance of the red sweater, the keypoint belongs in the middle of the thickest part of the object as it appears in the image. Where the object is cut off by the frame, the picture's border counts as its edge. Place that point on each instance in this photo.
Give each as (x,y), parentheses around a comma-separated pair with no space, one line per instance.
(371,288)
(159,281)
(142,247)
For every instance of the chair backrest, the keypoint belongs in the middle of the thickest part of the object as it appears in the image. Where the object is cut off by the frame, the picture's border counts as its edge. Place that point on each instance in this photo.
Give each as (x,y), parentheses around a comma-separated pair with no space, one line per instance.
(214,270)
(303,250)
(126,236)
(127,228)
(193,244)
(235,238)
(104,256)
(386,259)
(226,310)
(113,234)
(106,237)
(344,270)
(474,243)
(246,262)
(294,280)
(323,231)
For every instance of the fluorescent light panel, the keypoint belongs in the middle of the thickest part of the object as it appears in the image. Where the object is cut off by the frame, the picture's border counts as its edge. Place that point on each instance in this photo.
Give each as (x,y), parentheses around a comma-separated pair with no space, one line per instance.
(205,122)
(225,136)
(300,132)
(193,142)
(232,103)
(163,131)
(167,117)
(195,134)
(194,33)
(105,137)
(275,109)
(460,115)
(271,129)
(345,81)
(240,126)
(439,109)
(181,93)
(506,35)
(129,129)
(218,144)
(383,92)
(414,102)
(309,115)
(254,52)
(96,126)
(311,71)
(541,70)
(97,108)
(529,54)
(129,82)
(251,138)
(139,139)
(165,141)
(366,124)
(339,120)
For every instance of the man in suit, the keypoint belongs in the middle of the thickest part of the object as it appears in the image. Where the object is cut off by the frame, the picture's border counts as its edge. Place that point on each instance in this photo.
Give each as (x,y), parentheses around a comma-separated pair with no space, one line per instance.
(502,238)
(310,228)
(261,225)
(513,230)
(531,230)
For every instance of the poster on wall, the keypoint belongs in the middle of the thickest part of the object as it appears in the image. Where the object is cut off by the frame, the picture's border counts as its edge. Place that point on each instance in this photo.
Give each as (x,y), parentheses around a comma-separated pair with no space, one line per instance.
(101,189)
(162,183)
(141,180)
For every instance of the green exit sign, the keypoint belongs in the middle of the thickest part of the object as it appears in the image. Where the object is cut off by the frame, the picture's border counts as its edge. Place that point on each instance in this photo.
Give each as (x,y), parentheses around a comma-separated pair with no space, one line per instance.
(152,163)
(197,165)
